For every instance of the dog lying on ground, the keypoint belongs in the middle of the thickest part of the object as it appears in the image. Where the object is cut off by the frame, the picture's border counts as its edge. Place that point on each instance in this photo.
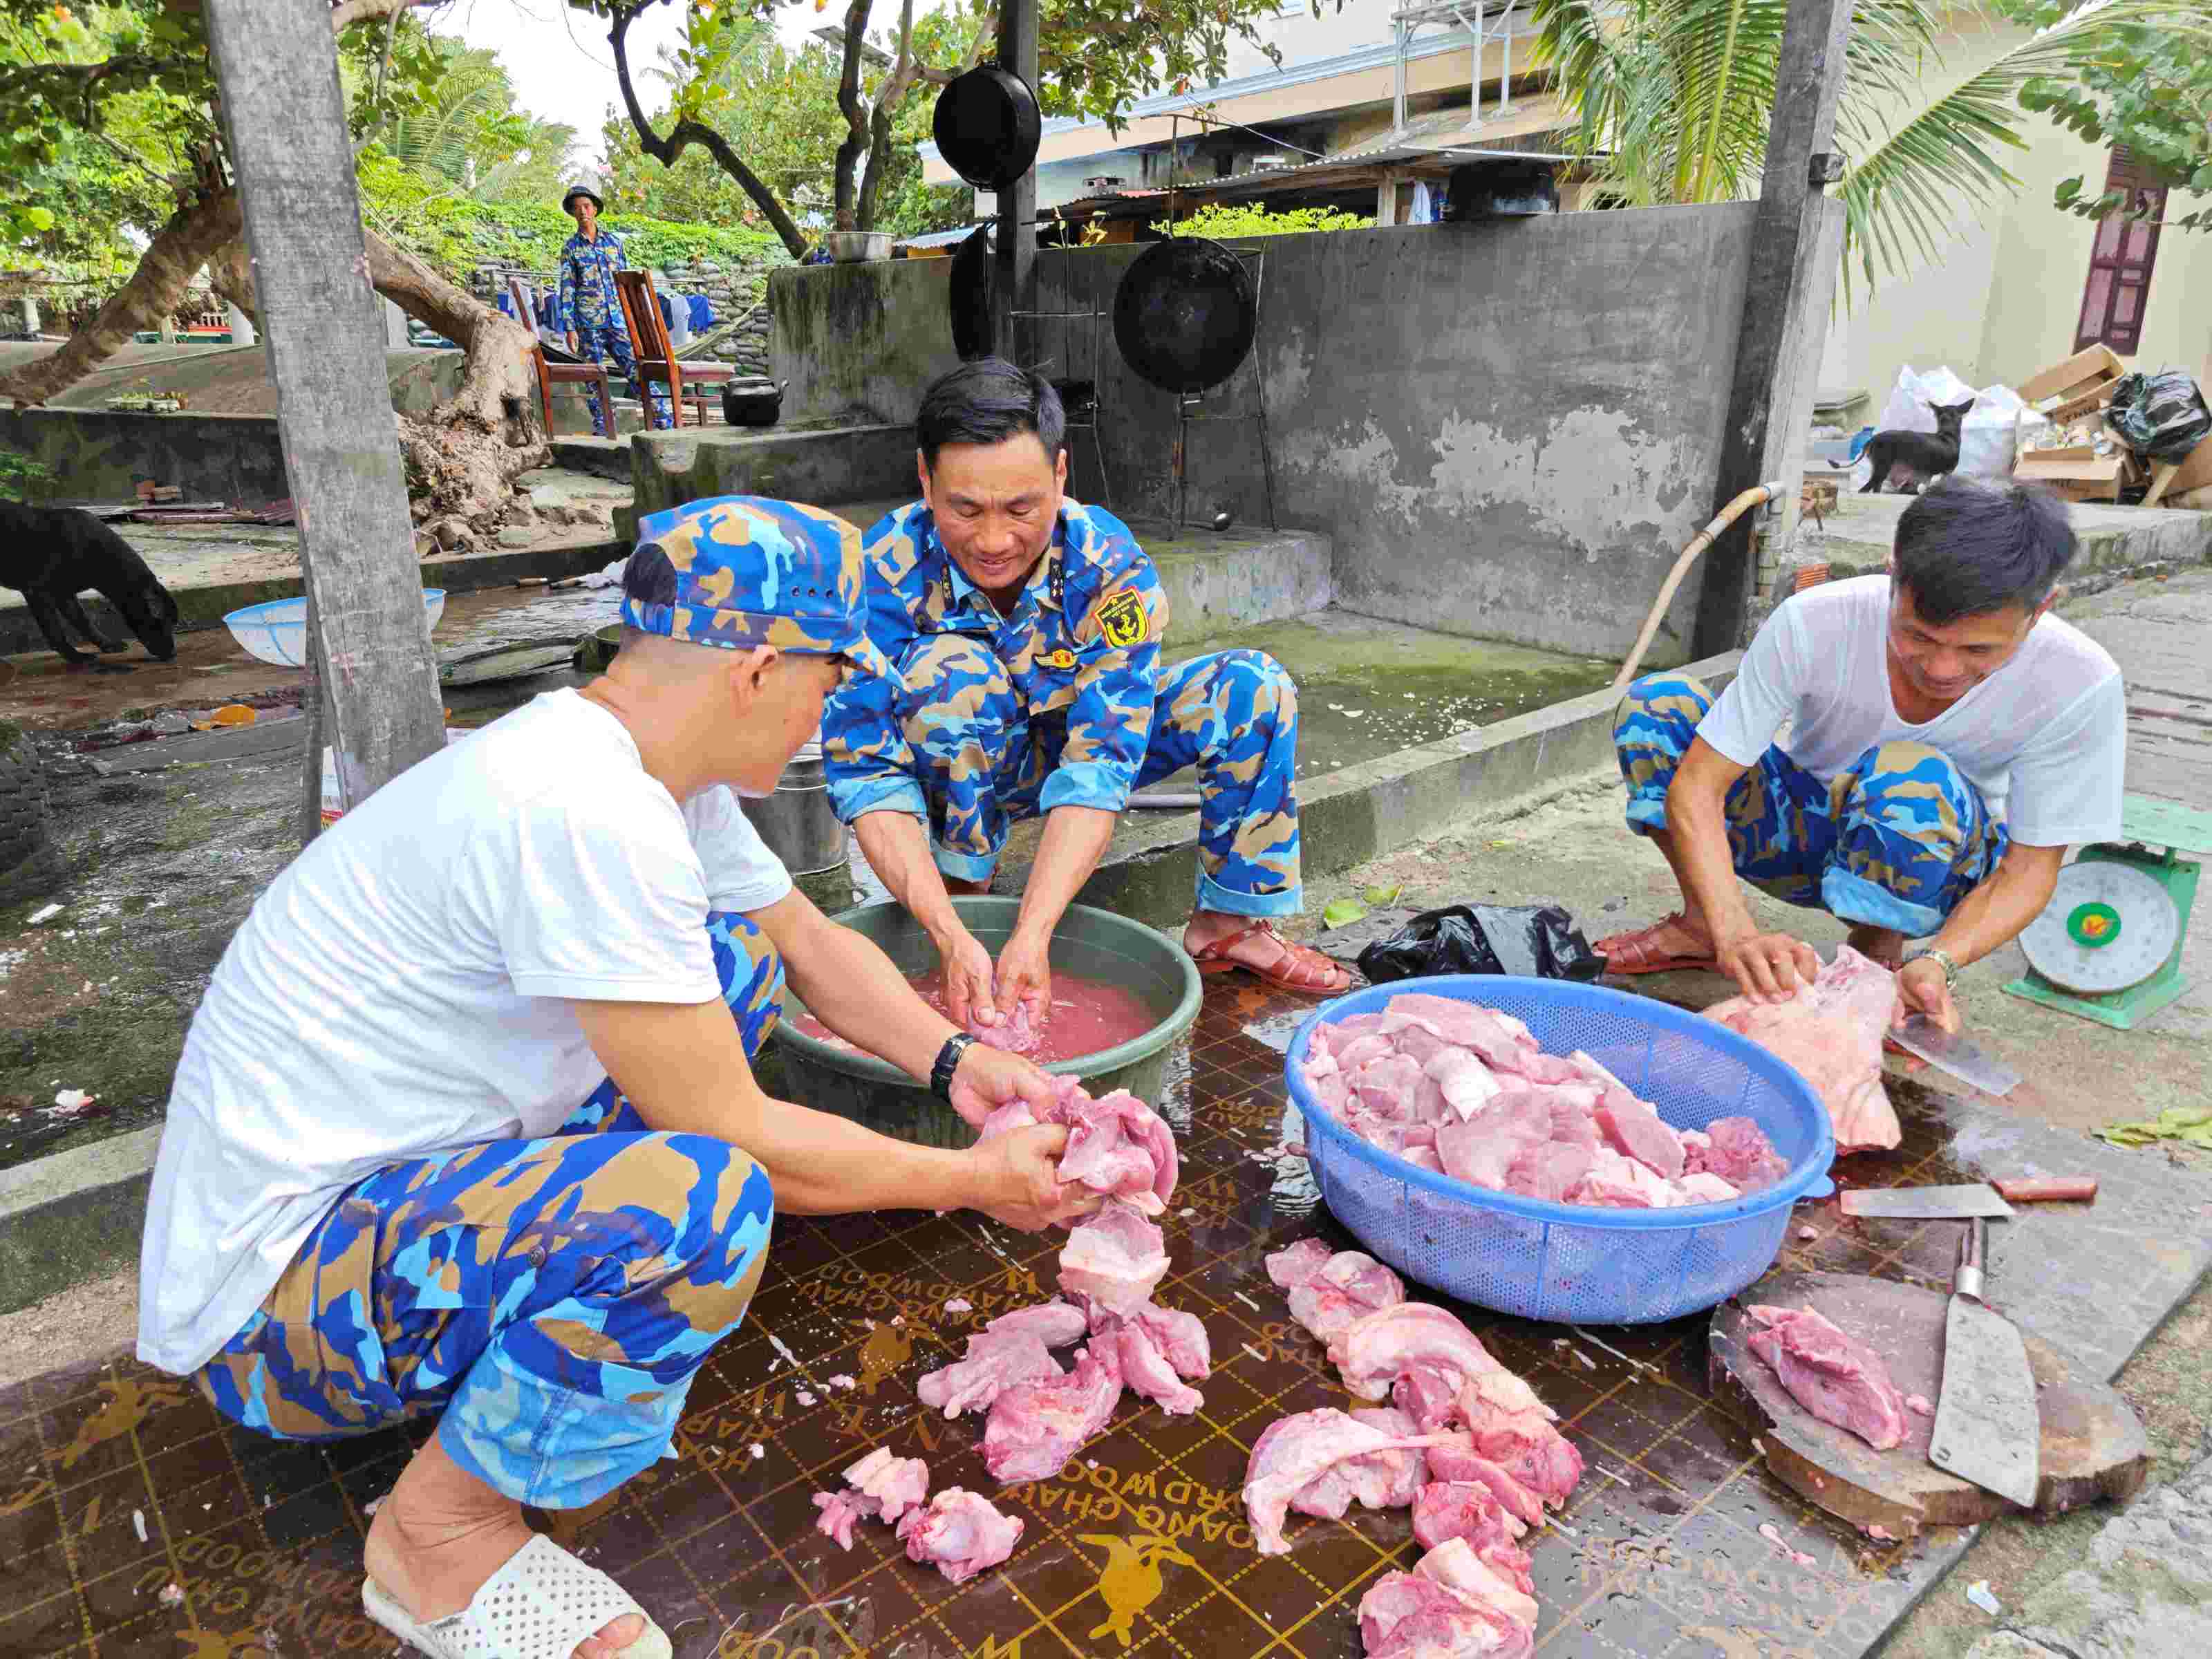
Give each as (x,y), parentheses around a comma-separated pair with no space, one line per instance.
(52,554)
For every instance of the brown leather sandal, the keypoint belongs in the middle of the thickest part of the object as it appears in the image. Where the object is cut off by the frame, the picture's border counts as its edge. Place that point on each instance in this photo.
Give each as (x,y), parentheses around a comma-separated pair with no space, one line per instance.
(1637,952)
(1300,969)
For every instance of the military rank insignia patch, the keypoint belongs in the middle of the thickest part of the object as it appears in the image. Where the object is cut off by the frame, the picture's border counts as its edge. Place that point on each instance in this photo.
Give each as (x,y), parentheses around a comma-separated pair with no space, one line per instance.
(1121,618)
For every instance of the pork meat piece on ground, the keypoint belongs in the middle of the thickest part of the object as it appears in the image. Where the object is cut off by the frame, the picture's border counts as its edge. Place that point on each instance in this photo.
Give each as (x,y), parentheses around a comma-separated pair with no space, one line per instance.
(1147,1371)
(1404,1616)
(1379,1480)
(1455,1564)
(1117,1260)
(1375,1352)
(1457,1460)
(1180,1337)
(880,1484)
(1055,1324)
(960,1533)
(1349,1285)
(1445,1510)
(1297,1263)
(1293,1452)
(994,1362)
(1737,1151)
(1428,1395)
(1831,1376)
(1831,1032)
(1035,1427)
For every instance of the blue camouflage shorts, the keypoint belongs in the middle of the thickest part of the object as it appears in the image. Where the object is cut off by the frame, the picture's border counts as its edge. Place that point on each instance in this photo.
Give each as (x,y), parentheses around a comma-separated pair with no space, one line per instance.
(984,762)
(1896,840)
(550,1299)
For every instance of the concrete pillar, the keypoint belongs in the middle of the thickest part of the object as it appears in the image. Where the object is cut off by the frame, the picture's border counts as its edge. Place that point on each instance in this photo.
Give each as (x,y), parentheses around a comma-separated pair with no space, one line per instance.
(395,325)
(242,328)
(1386,200)
(29,315)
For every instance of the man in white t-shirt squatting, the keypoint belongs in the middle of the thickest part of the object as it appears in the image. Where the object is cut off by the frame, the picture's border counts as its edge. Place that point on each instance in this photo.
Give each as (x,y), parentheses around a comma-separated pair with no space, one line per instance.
(1949,739)
(398,1176)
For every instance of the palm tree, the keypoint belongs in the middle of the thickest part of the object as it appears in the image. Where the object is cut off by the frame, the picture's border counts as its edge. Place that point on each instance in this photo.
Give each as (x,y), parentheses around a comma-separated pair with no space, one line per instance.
(474,142)
(1672,99)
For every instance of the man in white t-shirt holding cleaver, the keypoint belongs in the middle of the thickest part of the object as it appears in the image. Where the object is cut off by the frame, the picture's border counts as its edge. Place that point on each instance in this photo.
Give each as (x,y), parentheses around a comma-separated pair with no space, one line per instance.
(1948,739)
(467,1124)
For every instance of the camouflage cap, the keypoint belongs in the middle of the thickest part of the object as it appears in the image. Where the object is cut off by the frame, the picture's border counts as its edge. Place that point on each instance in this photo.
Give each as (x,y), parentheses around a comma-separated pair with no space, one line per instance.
(740,571)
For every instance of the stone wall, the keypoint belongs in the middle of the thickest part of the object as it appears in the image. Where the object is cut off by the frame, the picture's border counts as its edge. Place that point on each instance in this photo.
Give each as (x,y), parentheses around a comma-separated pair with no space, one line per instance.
(732,287)
(1508,429)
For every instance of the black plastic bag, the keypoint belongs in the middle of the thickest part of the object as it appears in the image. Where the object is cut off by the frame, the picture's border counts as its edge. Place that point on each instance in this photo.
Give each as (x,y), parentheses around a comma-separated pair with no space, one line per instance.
(1528,940)
(2161,417)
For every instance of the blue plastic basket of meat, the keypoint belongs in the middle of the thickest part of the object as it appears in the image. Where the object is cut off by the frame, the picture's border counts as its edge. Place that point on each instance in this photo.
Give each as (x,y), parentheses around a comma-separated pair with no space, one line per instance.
(1578,1263)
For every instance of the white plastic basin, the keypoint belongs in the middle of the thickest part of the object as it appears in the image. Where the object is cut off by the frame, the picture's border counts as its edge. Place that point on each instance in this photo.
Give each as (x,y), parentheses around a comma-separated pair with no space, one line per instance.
(277,632)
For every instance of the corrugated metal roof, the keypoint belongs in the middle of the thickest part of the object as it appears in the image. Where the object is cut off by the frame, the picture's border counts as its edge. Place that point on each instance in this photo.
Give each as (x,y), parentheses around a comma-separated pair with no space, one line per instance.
(940,237)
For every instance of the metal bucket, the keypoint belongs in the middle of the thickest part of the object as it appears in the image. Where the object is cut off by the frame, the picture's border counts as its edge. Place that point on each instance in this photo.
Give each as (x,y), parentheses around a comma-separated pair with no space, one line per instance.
(797,821)
(1095,944)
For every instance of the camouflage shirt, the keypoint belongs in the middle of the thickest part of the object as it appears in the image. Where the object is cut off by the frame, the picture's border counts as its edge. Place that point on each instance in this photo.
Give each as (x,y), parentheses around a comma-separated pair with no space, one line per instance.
(588,296)
(1082,647)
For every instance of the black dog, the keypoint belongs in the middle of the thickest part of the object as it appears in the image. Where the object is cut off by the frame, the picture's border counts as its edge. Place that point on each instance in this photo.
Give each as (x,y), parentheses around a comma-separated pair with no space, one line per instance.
(52,554)
(1910,459)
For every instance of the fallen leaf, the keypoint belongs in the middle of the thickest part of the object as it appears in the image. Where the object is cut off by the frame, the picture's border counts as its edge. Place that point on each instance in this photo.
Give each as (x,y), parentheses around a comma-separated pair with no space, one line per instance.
(1342,913)
(1380,896)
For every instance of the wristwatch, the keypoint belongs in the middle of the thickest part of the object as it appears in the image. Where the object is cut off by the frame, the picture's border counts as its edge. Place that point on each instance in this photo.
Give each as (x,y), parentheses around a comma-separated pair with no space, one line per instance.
(1940,958)
(948,1062)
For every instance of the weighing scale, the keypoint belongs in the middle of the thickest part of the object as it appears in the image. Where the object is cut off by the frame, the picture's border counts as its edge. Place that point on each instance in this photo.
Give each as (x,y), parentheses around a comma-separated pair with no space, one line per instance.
(2108,945)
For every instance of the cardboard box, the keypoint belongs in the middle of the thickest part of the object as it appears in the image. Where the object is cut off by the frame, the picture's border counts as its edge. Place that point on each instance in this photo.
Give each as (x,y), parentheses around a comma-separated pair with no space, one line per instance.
(2083,381)
(2195,471)
(2077,472)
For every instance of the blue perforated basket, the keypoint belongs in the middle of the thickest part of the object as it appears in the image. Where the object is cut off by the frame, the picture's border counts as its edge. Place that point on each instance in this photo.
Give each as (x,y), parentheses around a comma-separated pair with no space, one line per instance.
(1572,1263)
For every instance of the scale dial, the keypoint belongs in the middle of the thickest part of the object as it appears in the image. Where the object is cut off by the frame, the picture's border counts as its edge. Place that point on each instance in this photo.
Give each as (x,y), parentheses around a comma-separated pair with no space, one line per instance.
(2108,926)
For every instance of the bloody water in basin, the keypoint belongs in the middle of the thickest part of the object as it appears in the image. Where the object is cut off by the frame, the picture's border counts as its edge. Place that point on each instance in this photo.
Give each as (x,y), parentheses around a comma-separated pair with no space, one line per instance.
(1087,1015)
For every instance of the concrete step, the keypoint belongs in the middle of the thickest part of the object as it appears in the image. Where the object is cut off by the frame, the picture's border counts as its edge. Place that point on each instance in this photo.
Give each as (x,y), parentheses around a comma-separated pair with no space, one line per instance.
(1218,582)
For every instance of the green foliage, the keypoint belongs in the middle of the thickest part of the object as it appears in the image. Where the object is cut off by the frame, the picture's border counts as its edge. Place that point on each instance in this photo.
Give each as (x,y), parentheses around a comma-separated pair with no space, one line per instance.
(1221,220)
(1673,99)
(448,113)
(23,479)
(455,233)
(2146,86)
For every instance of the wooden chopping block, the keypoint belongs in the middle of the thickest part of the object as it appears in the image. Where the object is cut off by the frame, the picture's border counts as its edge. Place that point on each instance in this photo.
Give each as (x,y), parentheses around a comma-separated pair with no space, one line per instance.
(2093,1445)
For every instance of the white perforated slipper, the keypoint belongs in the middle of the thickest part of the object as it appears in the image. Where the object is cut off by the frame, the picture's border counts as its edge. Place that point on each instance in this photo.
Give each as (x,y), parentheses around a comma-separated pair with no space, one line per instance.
(539,1605)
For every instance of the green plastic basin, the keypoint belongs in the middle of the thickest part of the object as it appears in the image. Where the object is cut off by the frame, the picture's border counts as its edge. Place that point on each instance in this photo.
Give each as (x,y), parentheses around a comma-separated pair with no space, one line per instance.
(1095,944)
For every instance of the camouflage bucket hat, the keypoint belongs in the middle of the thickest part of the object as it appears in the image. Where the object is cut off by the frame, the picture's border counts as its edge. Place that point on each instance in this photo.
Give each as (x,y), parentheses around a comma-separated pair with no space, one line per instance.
(741,571)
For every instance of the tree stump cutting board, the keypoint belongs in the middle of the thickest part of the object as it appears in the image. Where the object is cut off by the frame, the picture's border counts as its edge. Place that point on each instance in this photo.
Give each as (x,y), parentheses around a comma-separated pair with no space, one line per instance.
(2093,1445)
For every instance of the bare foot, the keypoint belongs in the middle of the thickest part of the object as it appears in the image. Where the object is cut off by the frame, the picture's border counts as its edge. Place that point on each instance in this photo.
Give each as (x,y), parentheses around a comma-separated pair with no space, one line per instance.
(1267,953)
(1883,944)
(442,1532)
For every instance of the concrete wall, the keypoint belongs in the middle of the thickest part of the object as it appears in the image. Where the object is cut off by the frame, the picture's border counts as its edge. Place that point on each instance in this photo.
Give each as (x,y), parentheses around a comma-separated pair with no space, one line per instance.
(1508,429)
(98,455)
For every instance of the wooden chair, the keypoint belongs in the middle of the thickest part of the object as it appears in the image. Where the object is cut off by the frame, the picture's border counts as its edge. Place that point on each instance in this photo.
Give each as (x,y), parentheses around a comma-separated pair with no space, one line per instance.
(657,363)
(550,375)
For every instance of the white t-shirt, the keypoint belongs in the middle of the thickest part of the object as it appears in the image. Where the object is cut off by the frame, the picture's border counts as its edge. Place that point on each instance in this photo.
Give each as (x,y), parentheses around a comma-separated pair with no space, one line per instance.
(403,989)
(2043,738)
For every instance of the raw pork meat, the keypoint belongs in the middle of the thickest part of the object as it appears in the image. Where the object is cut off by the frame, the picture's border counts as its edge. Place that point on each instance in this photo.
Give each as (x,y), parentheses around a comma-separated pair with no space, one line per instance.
(1632,1127)
(1015,1033)
(1055,1324)
(1117,1260)
(1454,1563)
(1549,1170)
(1180,1336)
(1292,1453)
(994,1362)
(1374,1353)
(1452,1606)
(1829,1374)
(1348,1287)
(1297,1263)
(1035,1427)
(1445,1510)
(1737,1151)
(1622,1182)
(961,1532)
(1458,1461)
(1705,1188)
(1831,1031)
(881,1485)
(1146,1369)
(1117,1146)
(1379,1480)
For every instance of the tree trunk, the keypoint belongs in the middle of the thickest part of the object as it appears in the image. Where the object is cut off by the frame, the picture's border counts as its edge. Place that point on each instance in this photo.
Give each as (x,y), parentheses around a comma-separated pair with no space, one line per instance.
(194,232)
(856,114)
(230,273)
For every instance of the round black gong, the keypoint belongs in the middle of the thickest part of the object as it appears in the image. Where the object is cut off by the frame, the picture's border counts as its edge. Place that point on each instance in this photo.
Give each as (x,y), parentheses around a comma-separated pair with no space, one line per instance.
(986,126)
(1185,314)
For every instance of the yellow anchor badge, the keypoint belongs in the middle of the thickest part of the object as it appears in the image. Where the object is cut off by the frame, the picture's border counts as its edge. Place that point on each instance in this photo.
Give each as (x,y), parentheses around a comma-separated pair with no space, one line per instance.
(1131,1581)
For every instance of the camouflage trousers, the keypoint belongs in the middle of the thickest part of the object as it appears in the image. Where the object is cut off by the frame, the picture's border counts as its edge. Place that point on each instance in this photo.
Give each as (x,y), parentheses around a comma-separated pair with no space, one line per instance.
(596,342)
(984,762)
(550,1299)
(1896,840)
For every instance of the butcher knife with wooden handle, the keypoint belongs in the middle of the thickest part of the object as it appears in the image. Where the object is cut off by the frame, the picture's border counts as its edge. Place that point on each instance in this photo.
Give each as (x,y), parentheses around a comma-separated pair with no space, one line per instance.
(1988,1427)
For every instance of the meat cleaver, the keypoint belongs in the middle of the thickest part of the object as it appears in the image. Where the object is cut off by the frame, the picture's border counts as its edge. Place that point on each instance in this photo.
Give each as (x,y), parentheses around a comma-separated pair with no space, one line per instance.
(1976,1197)
(1953,1055)
(1988,1427)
